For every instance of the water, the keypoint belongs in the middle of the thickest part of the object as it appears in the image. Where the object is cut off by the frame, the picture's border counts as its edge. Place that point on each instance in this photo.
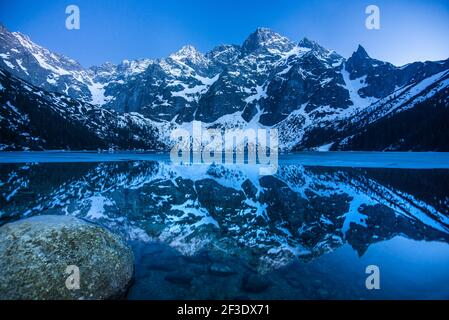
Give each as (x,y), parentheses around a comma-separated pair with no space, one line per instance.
(223,232)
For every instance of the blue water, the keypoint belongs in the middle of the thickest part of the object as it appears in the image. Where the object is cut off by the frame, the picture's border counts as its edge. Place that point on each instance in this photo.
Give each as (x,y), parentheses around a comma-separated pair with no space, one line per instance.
(202,231)
(404,160)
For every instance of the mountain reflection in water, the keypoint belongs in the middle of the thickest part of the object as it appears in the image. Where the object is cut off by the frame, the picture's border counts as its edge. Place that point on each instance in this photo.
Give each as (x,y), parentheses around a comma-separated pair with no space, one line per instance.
(219,231)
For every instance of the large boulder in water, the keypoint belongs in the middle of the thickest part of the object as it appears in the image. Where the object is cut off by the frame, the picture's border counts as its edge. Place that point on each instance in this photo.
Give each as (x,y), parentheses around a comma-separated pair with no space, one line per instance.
(44,257)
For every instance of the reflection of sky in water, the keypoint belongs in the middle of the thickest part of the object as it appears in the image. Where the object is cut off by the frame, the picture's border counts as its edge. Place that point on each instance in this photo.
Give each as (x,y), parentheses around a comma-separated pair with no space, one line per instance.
(408,268)
(310,230)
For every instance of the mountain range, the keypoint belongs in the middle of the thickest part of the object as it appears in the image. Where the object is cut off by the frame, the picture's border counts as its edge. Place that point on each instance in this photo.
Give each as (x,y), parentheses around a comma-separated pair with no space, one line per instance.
(317,99)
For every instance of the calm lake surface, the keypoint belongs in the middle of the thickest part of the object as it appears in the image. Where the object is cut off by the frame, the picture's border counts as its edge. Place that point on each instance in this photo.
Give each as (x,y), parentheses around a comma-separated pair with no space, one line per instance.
(202,231)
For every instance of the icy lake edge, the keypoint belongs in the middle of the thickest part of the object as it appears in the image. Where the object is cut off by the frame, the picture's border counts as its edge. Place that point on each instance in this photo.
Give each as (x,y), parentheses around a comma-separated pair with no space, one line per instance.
(399,160)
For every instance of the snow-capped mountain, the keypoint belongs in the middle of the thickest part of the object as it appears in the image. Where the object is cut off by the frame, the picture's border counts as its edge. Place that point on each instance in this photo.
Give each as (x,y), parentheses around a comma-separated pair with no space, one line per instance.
(54,72)
(32,118)
(314,96)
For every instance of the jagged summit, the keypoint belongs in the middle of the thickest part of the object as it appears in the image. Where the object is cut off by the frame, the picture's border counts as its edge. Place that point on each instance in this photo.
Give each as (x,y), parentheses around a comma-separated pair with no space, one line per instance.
(187,52)
(361,53)
(265,38)
(360,63)
(264,30)
(190,56)
(313,45)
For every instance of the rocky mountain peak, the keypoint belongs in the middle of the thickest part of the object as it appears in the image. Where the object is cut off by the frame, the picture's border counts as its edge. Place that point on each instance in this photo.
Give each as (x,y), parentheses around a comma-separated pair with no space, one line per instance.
(360,63)
(188,54)
(264,38)
(310,44)
(134,66)
(360,53)
(270,80)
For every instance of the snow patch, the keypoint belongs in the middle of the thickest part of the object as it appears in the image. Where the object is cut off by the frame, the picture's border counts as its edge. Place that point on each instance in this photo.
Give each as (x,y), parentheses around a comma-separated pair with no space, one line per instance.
(98,94)
(325,147)
(260,94)
(97,207)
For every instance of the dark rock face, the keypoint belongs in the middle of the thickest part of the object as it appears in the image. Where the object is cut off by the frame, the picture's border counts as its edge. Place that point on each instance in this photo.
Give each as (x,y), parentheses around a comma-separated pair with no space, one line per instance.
(409,123)
(313,95)
(33,119)
(25,59)
(184,278)
(221,269)
(383,78)
(37,251)
(264,40)
(255,283)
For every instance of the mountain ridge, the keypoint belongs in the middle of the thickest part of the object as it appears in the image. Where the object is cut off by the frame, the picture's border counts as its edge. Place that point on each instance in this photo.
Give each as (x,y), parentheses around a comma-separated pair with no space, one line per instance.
(311,94)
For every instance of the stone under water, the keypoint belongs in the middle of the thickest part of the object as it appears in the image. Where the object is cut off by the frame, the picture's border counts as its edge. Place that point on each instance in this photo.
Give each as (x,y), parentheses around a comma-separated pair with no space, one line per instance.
(62,257)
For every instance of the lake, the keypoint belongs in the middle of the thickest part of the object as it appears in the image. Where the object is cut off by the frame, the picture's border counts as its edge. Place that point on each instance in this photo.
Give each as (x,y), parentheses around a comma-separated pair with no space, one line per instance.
(216,231)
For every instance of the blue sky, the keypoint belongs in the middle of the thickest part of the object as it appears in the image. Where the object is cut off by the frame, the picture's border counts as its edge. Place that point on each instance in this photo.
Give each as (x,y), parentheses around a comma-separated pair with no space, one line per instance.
(113,30)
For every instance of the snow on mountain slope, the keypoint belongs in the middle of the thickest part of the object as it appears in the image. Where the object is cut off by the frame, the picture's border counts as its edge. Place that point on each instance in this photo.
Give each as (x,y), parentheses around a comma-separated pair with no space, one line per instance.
(31,118)
(54,72)
(405,98)
(312,95)
(412,118)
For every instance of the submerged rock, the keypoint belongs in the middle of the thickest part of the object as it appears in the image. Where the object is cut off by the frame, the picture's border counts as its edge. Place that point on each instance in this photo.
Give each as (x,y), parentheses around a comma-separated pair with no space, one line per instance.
(220,269)
(179,277)
(44,257)
(255,283)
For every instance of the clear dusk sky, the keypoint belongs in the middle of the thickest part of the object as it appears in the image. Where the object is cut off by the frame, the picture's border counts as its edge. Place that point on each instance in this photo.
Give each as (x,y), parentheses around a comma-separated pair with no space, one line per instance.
(114,30)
